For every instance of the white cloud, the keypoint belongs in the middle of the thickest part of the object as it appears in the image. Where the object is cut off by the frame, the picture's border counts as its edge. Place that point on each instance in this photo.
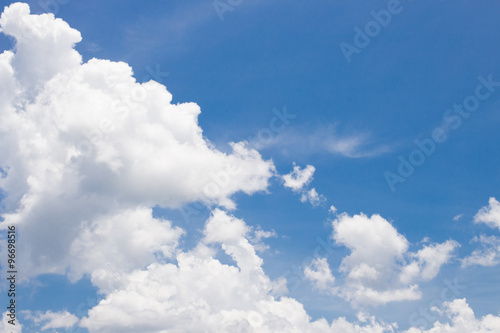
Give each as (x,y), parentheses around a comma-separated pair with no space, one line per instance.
(330,140)
(83,142)
(463,320)
(222,228)
(53,320)
(5,326)
(364,325)
(111,246)
(489,214)
(363,234)
(40,39)
(457,217)
(488,255)
(86,153)
(298,178)
(319,273)
(489,252)
(312,197)
(379,268)
(431,257)
(258,235)
(353,146)
(200,294)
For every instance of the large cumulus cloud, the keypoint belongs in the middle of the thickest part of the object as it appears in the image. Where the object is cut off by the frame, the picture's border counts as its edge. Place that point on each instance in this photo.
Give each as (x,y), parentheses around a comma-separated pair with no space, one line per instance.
(82,142)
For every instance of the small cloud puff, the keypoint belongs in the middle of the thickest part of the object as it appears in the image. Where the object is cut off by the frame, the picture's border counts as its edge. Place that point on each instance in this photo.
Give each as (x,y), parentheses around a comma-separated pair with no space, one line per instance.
(490,214)
(298,180)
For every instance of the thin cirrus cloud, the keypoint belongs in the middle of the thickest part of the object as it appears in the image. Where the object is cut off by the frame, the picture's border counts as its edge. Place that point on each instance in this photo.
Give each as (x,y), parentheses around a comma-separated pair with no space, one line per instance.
(328,139)
(356,146)
(87,152)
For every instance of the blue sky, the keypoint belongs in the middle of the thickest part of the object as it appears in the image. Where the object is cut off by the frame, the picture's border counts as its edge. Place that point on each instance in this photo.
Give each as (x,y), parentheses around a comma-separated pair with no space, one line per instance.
(352,120)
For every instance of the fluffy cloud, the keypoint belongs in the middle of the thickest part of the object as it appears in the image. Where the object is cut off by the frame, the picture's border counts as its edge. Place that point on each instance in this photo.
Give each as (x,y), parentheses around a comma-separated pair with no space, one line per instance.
(429,260)
(5,326)
(489,214)
(489,252)
(488,255)
(257,236)
(83,142)
(111,246)
(364,325)
(319,273)
(379,268)
(87,151)
(298,178)
(463,320)
(313,197)
(51,319)
(201,294)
